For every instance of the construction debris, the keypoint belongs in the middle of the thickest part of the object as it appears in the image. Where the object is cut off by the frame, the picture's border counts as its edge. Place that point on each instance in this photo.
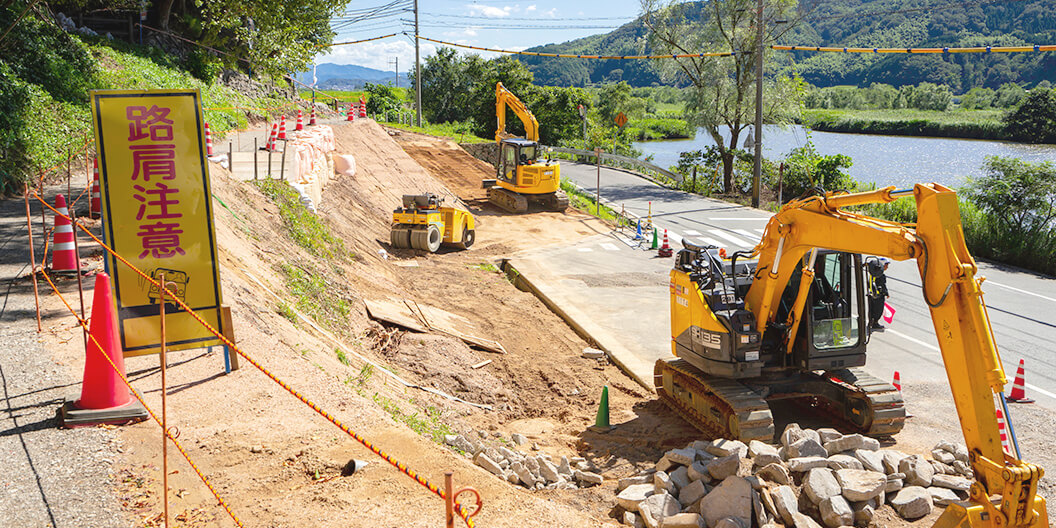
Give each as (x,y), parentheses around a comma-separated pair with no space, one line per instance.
(813,478)
(535,472)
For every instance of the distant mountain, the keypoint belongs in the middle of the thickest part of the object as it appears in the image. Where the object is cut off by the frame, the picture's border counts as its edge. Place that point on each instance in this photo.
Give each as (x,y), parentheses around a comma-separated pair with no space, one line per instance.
(350,77)
(854,23)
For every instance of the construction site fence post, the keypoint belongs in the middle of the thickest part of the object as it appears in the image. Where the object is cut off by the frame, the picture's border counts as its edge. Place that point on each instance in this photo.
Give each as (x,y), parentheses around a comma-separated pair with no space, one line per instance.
(164,408)
(255,164)
(32,259)
(282,168)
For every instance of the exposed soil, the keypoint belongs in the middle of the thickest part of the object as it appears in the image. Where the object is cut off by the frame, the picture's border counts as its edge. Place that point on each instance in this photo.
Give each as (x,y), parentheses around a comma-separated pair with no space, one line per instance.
(277,463)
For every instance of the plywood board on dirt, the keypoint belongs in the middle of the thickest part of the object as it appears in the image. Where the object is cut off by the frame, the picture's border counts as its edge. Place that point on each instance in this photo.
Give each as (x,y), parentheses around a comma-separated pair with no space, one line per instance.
(424,318)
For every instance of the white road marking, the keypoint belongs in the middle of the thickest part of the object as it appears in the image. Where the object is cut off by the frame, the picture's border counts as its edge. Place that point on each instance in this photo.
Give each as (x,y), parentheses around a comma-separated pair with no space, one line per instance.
(1034,388)
(713,242)
(745,233)
(988,281)
(609,247)
(736,241)
(585,249)
(691,232)
(761,231)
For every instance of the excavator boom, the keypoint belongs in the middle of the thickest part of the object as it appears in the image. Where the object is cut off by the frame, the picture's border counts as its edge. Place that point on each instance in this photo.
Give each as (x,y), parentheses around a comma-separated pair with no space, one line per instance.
(504,98)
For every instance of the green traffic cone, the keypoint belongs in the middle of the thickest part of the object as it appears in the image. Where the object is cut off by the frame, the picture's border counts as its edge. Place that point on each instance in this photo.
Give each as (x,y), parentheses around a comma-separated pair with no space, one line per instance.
(601,423)
(655,245)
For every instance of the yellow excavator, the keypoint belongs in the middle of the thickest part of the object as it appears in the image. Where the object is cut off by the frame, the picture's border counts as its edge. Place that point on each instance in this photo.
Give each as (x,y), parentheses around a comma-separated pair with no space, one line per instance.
(522,177)
(787,320)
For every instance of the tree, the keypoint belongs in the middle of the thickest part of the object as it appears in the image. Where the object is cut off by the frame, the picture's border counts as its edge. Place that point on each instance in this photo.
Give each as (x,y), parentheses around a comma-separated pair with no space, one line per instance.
(721,92)
(448,81)
(613,99)
(1035,119)
(382,99)
(1021,195)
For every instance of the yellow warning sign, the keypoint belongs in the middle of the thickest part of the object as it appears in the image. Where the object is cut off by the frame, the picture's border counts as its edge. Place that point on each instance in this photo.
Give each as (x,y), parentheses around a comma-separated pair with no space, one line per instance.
(157,214)
(620,119)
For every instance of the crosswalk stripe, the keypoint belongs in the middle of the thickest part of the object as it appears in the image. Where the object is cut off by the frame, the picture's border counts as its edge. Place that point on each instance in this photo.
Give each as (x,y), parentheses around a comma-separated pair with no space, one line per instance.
(585,249)
(745,233)
(736,241)
(609,247)
(690,232)
(713,242)
(761,231)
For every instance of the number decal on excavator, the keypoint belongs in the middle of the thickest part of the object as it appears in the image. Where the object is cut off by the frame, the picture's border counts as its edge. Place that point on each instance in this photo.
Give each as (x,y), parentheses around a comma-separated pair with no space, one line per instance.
(706,338)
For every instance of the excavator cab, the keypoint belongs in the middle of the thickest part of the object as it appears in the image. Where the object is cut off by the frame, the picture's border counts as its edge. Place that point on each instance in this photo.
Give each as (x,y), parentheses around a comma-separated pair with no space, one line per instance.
(516,153)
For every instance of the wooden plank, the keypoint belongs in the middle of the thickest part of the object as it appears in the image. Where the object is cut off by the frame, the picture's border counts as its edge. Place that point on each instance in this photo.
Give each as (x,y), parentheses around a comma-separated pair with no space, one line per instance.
(396,314)
(422,318)
(481,364)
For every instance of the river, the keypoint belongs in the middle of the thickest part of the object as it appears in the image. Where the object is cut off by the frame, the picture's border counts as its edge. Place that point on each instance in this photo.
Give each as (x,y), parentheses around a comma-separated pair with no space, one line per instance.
(884,160)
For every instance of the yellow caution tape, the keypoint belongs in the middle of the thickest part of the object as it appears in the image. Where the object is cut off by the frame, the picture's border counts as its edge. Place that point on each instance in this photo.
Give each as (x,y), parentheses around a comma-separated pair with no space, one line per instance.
(977,49)
(355,41)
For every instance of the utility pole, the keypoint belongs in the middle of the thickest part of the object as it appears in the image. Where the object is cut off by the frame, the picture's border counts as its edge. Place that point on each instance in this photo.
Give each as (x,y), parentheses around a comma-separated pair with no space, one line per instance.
(417,71)
(396,61)
(758,168)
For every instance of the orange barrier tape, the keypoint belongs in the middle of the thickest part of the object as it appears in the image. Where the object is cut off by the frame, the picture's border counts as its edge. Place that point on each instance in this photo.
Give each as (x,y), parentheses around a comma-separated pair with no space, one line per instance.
(355,41)
(463,512)
(168,433)
(977,49)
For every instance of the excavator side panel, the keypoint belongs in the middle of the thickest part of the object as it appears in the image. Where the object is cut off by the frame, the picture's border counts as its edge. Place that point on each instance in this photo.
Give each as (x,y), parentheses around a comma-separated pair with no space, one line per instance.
(702,340)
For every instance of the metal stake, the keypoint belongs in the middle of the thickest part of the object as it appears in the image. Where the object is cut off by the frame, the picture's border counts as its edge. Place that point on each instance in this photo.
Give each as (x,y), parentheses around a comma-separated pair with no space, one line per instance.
(164,411)
(77,249)
(449,498)
(282,169)
(255,168)
(32,259)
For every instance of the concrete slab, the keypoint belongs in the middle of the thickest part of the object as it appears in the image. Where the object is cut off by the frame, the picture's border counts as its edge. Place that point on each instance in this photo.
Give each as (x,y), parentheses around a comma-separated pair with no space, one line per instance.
(611,292)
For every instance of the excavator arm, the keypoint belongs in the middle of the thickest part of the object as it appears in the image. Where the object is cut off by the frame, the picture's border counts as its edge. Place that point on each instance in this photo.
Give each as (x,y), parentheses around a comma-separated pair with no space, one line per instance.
(504,98)
(953,295)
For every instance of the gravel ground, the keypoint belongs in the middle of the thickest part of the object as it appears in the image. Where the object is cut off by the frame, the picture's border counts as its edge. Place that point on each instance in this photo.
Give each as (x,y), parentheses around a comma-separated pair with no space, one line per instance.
(50,476)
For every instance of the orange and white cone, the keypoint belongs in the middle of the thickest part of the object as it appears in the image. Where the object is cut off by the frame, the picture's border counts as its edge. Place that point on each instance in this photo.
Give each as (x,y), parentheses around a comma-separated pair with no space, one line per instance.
(1018,394)
(351,112)
(64,251)
(271,138)
(665,249)
(300,120)
(311,120)
(1003,431)
(208,141)
(362,107)
(104,396)
(95,205)
(897,382)
(282,128)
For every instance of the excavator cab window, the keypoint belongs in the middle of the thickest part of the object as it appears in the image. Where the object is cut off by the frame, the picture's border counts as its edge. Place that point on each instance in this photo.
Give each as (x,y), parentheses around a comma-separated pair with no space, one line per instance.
(508,163)
(835,302)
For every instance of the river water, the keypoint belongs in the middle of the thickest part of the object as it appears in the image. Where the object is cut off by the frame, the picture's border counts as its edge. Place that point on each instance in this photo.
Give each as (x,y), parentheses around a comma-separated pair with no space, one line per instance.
(884,160)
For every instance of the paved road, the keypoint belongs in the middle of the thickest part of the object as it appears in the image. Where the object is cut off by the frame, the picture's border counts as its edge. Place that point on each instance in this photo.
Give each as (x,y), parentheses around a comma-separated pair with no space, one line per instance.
(1022,305)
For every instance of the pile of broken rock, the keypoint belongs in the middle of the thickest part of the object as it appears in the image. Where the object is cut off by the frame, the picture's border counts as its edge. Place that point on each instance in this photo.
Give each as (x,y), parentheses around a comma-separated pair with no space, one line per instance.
(815,475)
(535,472)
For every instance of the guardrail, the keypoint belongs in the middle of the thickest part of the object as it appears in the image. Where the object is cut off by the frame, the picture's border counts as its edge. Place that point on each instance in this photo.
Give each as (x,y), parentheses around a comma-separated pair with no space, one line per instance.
(658,174)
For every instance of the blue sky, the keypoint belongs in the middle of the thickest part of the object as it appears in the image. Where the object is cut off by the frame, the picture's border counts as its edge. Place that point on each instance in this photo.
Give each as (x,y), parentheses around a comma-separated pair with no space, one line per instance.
(488,23)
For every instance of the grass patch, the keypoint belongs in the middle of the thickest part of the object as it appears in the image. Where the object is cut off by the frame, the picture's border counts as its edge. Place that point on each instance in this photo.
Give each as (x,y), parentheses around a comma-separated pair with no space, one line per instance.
(286,311)
(652,128)
(342,357)
(585,202)
(316,298)
(978,124)
(484,266)
(305,228)
(426,423)
(457,132)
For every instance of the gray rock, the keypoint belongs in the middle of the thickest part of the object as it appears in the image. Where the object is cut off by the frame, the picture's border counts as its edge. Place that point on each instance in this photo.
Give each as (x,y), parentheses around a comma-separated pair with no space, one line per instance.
(863,513)
(942,469)
(871,460)
(762,454)
(548,471)
(518,438)
(524,474)
(698,471)
(450,439)
(893,485)
(662,483)
(892,459)
(680,477)
(721,468)
(952,482)
(912,502)
(962,468)
(918,470)
(861,485)
(682,457)
(827,434)
(729,522)
(836,512)
(801,520)
(731,498)
(797,465)
(630,481)
(960,452)
(633,495)
(682,520)
(587,477)
(511,477)
(785,503)
(488,464)
(942,456)
(656,507)
(629,517)
(806,447)
(850,443)
(762,516)
(723,448)
(791,434)
(693,492)
(820,484)
(943,496)
(845,462)
(776,472)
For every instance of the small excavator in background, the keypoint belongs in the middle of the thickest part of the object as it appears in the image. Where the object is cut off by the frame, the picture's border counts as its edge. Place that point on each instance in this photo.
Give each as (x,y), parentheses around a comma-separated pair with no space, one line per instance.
(521,176)
(424,223)
(786,320)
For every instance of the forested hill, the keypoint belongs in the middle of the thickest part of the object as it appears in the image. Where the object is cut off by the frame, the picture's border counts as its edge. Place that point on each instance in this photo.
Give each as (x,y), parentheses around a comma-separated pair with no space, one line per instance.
(863,23)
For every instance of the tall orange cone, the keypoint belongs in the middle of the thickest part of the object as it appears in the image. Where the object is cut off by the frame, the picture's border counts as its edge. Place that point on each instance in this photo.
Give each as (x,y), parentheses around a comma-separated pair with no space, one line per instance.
(300,120)
(208,141)
(63,252)
(95,200)
(1003,431)
(351,112)
(282,128)
(271,138)
(1018,394)
(665,250)
(897,382)
(362,107)
(104,396)
(311,120)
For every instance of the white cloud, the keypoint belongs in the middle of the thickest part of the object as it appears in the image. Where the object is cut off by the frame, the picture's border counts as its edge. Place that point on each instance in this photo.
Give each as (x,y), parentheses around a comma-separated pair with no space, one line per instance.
(551,13)
(489,11)
(378,54)
(530,8)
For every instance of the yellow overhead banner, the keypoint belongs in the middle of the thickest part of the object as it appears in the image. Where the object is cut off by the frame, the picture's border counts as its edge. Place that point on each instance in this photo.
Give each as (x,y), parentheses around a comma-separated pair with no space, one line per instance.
(157,214)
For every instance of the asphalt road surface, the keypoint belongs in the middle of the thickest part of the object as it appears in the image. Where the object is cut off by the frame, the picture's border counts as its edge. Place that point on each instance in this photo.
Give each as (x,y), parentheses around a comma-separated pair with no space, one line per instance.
(1021,304)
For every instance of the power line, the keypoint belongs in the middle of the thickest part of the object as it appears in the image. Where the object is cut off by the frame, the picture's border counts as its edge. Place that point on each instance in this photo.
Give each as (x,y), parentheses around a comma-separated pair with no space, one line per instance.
(476,17)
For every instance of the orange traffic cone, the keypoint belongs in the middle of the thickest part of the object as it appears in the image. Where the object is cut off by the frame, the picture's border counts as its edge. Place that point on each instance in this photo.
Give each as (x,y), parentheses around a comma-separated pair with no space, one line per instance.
(311,120)
(300,120)
(208,141)
(95,205)
(1003,431)
(282,128)
(897,382)
(104,396)
(271,138)
(362,107)
(351,112)
(665,249)
(63,252)
(1018,394)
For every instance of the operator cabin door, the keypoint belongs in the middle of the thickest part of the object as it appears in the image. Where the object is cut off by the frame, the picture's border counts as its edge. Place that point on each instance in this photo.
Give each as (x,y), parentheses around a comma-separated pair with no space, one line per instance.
(508,164)
(835,314)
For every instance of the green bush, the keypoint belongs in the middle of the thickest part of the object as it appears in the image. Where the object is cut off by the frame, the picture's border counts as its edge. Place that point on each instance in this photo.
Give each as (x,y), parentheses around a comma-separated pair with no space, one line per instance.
(806,171)
(383,99)
(1035,119)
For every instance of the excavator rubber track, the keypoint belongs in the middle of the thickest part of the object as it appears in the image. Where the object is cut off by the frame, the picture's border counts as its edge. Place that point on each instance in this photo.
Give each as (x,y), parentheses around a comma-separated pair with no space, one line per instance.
(873,407)
(557,202)
(722,408)
(509,201)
